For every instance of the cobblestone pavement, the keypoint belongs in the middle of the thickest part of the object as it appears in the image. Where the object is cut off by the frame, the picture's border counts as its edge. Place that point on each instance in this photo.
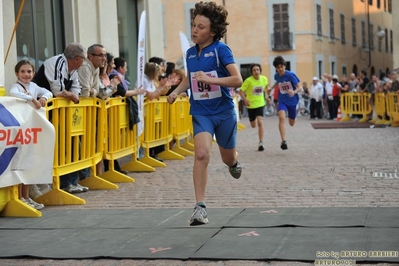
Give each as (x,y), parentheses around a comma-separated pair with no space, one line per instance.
(321,168)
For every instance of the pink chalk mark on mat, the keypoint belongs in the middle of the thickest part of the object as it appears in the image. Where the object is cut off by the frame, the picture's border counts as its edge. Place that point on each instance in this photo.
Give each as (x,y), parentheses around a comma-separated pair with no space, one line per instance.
(155,250)
(252,233)
(269,211)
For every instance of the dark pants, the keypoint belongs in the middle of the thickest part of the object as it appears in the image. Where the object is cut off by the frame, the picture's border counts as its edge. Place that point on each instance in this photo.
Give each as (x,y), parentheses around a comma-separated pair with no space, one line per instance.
(315,109)
(116,166)
(332,109)
(337,103)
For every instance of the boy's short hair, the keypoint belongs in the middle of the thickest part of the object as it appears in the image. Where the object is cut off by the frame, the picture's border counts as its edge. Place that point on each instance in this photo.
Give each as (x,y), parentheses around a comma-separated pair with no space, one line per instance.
(255,65)
(279,60)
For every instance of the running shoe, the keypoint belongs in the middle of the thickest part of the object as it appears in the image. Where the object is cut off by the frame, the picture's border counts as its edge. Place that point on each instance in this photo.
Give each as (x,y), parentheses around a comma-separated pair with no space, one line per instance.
(236,170)
(199,216)
(260,147)
(284,145)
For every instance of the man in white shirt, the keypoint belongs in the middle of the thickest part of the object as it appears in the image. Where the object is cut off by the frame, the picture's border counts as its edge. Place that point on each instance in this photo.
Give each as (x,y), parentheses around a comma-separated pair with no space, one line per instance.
(316,95)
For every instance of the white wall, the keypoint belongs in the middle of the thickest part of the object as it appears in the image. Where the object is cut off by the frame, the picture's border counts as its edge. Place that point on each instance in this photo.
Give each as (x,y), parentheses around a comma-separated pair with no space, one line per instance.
(7,28)
(92,22)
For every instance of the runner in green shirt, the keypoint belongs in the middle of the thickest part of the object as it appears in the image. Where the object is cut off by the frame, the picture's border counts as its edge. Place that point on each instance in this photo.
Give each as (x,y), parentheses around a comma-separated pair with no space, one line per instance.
(254,93)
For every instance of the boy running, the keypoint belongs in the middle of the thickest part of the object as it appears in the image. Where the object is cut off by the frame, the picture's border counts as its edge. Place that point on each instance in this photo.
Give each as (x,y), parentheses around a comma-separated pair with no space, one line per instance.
(288,89)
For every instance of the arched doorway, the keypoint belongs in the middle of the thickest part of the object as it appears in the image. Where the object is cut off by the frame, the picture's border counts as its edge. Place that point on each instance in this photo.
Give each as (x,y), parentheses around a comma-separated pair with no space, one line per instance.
(354,70)
(372,71)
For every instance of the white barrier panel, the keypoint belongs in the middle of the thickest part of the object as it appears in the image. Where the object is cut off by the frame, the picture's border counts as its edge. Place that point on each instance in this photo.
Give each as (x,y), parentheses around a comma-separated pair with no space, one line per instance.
(26,144)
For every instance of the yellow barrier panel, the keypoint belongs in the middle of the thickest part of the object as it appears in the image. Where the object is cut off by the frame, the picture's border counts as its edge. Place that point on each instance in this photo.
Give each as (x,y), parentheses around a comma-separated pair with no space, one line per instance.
(380,109)
(189,144)
(181,123)
(157,132)
(77,146)
(120,140)
(355,103)
(2,91)
(12,206)
(393,108)
(240,126)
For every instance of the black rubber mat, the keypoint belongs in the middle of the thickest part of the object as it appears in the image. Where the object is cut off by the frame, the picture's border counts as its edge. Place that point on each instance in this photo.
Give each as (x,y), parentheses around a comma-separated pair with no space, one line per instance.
(316,217)
(339,124)
(298,234)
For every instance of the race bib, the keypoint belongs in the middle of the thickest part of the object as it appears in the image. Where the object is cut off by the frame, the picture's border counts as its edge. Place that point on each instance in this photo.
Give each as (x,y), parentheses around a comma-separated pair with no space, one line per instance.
(257,91)
(284,87)
(202,91)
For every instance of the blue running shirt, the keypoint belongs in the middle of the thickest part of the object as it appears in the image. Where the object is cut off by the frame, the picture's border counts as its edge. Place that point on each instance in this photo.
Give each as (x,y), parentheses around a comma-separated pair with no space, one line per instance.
(208,99)
(287,82)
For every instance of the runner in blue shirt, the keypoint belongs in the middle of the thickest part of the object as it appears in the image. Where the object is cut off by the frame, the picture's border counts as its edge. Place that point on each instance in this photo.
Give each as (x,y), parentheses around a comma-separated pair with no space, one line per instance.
(289,87)
(211,71)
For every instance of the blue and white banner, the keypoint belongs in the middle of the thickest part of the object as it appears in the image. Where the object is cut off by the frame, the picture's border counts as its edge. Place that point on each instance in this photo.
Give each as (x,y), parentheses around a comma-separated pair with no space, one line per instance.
(26,144)
(140,71)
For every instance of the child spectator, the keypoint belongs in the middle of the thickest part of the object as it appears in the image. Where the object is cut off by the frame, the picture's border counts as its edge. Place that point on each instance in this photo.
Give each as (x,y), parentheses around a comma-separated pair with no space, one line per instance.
(27,90)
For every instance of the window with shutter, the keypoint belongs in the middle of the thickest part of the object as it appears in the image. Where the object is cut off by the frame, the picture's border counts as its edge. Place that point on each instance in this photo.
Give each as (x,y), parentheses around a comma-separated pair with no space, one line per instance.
(281,34)
(364,34)
(318,14)
(354,32)
(342,17)
(332,34)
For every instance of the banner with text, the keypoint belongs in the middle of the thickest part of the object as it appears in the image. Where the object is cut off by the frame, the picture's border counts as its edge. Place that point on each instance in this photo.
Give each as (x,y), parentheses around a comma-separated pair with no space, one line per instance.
(26,144)
(140,71)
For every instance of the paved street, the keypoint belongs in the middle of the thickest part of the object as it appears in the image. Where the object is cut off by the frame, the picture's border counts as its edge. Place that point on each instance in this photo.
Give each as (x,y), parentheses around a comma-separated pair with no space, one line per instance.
(321,168)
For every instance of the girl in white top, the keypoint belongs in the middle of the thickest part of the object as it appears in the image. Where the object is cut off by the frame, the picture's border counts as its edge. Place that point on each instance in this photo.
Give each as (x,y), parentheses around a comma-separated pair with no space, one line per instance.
(27,90)
(30,91)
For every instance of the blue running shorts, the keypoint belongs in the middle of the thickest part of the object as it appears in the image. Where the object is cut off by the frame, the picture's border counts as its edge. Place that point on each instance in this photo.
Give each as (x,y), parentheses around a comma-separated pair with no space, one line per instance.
(222,125)
(291,110)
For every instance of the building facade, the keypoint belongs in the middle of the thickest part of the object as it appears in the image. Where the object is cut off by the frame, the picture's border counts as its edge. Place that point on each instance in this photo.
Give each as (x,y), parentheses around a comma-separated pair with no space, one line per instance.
(314,36)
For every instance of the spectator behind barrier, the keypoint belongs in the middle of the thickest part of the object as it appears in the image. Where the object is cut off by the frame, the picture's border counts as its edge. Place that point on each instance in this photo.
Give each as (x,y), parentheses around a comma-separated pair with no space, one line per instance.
(114,80)
(38,96)
(52,75)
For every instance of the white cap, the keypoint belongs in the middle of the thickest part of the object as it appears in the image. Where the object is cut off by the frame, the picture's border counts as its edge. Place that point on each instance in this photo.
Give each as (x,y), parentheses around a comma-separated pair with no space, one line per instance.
(335,77)
(315,78)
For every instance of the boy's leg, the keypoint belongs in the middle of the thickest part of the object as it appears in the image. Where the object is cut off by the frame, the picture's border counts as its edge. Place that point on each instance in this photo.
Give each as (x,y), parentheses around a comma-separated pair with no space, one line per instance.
(260,128)
(281,124)
(202,146)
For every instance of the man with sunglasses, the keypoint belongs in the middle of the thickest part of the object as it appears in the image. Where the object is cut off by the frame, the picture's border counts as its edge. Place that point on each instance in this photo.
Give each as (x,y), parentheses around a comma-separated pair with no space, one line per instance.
(89,77)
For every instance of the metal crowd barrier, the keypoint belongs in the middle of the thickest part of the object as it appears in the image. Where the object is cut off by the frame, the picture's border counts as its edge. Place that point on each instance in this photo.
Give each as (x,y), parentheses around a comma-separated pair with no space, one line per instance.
(93,130)
(355,103)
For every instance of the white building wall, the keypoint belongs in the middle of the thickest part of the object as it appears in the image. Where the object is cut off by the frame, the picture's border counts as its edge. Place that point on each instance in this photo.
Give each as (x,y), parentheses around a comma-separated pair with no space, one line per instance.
(154,25)
(7,28)
(92,22)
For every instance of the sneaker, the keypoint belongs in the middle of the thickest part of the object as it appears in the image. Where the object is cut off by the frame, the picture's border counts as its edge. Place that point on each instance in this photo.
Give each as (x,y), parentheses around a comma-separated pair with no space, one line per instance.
(284,145)
(34,192)
(260,147)
(199,216)
(84,189)
(73,189)
(235,171)
(44,188)
(32,203)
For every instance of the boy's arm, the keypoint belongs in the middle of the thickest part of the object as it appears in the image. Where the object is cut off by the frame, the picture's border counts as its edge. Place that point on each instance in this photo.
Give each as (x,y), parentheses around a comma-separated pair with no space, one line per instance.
(234,80)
